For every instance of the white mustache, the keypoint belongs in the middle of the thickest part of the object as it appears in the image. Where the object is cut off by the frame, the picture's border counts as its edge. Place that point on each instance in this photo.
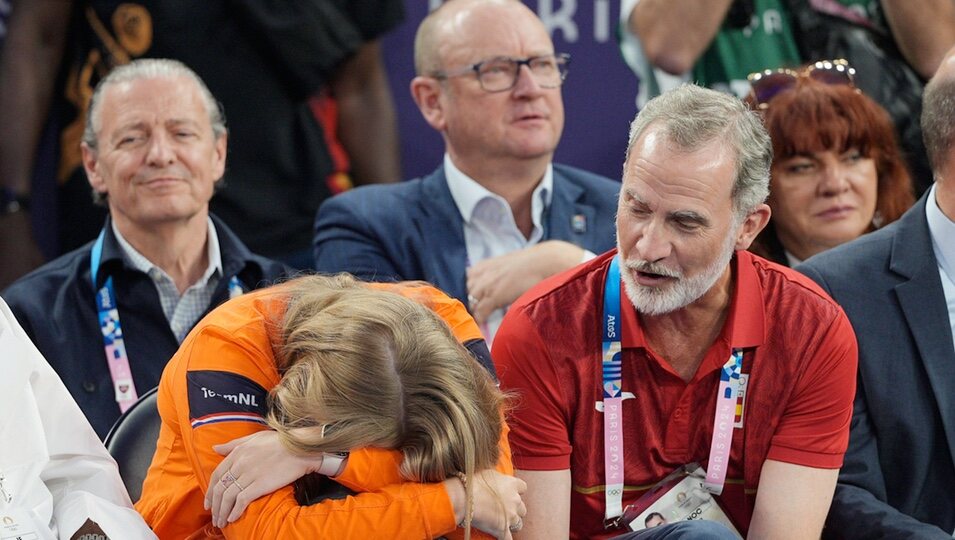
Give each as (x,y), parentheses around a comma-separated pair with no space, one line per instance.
(648,267)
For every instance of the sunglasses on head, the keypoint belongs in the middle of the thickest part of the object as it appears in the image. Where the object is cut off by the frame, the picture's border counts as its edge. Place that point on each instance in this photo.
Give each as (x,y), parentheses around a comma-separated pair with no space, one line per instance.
(765,85)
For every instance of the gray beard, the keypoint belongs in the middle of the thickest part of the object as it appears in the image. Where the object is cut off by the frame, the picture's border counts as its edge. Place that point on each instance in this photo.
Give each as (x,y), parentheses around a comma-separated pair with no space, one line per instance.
(677,295)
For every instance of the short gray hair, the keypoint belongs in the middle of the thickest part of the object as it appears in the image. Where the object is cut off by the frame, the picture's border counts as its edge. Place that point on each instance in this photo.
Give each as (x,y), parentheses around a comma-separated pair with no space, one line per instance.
(149,68)
(692,117)
(938,121)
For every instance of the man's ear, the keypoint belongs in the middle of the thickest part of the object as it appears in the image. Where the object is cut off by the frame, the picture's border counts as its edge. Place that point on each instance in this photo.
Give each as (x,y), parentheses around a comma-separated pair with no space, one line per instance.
(91,165)
(755,222)
(427,93)
(221,149)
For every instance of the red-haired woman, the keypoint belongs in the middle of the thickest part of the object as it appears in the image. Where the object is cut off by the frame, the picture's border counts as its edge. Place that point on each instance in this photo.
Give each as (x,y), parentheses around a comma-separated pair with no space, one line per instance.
(837,169)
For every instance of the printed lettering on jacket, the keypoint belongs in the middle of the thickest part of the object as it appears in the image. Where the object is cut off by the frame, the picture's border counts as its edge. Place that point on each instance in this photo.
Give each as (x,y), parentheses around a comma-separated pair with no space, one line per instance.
(221,396)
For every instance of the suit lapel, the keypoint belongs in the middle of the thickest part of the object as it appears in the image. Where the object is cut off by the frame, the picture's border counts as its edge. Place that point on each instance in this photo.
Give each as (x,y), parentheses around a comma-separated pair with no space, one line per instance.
(442,228)
(923,304)
(567,218)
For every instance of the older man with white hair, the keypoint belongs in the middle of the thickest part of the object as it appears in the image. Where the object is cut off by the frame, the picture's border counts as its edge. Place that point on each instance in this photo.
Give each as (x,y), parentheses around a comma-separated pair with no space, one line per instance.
(109,315)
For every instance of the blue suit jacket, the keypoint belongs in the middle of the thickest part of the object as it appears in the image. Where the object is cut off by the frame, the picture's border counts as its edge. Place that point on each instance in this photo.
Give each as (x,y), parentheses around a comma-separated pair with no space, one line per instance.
(898,480)
(413,230)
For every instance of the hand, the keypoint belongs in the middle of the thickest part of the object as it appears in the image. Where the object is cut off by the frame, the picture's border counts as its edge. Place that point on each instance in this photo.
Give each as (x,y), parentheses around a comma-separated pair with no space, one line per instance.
(497,502)
(241,477)
(20,252)
(496,282)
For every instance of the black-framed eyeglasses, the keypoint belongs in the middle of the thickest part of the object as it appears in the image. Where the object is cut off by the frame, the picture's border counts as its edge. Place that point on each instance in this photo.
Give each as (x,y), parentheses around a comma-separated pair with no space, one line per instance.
(765,85)
(500,73)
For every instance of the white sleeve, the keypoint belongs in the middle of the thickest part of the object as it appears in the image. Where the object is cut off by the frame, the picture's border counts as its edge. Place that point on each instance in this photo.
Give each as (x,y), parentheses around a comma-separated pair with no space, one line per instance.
(77,475)
(651,81)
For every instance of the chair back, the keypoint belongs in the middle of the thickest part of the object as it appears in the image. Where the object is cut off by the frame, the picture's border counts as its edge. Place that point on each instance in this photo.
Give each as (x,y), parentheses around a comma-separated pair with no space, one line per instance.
(132,442)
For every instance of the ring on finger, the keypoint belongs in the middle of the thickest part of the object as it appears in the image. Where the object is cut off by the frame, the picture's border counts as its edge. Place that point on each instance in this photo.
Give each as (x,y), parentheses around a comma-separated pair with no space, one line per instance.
(227,479)
(237,484)
(473,301)
(517,526)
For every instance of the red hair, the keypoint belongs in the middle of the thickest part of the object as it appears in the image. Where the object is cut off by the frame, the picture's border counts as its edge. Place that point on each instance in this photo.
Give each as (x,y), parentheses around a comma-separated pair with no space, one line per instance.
(816,117)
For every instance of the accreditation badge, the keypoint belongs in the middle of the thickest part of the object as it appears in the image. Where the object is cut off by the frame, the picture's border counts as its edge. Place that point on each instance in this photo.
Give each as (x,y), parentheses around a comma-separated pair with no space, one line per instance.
(680,496)
(20,524)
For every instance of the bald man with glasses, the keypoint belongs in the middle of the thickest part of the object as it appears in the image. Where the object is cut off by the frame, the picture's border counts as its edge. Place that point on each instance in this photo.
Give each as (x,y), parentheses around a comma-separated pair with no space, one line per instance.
(497,216)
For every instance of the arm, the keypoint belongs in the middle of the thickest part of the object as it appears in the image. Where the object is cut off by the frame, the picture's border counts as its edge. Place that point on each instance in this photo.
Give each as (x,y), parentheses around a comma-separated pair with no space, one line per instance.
(798,478)
(345,242)
(82,479)
(372,468)
(539,438)
(29,60)
(407,510)
(674,33)
(792,501)
(924,30)
(548,504)
(498,281)
(859,510)
(367,124)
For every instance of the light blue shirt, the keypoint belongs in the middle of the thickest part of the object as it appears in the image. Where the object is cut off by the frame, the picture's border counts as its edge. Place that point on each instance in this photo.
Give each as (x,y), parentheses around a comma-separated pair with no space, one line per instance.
(489,226)
(182,312)
(942,230)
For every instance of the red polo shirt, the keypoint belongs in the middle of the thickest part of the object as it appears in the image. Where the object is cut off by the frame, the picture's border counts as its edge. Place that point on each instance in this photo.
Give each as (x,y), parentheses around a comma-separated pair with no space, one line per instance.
(800,358)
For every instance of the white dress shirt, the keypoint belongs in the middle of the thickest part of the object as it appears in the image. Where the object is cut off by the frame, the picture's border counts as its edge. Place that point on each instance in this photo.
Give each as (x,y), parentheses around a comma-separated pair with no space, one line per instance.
(489,226)
(942,230)
(55,472)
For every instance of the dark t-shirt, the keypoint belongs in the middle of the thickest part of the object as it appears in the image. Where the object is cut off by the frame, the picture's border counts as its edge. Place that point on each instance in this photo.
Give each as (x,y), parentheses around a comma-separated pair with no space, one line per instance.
(262,60)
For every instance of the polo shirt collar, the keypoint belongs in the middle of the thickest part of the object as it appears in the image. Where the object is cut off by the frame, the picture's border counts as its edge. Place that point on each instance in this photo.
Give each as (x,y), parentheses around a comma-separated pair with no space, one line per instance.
(745,323)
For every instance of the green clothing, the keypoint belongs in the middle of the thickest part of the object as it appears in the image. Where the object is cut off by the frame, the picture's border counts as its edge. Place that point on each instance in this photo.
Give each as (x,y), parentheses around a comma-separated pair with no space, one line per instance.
(766,43)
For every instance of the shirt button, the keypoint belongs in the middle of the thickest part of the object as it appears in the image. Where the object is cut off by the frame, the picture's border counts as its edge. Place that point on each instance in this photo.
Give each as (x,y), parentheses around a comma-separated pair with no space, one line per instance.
(89,386)
(678,413)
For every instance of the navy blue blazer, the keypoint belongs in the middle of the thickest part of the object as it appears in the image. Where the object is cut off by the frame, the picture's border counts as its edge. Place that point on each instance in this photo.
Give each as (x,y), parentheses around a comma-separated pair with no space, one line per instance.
(898,480)
(414,231)
(56,306)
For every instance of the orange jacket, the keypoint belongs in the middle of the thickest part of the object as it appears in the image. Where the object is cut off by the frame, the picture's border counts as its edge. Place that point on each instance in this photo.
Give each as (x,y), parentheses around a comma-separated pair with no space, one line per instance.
(230,348)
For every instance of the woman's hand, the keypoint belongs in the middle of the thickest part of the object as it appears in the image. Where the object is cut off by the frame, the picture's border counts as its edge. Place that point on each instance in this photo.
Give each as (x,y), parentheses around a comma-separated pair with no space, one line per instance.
(255,465)
(498,508)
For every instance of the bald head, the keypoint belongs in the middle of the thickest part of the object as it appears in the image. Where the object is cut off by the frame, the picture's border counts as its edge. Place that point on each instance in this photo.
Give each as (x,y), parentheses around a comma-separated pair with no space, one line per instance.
(938,117)
(453,22)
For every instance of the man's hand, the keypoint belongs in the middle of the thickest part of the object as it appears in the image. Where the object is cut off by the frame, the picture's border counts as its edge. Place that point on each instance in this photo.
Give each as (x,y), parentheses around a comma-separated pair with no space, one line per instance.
(20,252)
(255,465)
(496,282)
(498,506)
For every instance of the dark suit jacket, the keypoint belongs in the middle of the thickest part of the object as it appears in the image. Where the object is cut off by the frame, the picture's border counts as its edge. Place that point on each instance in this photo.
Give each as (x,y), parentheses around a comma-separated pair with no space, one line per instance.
(898,480)
(56,305)
(413,230)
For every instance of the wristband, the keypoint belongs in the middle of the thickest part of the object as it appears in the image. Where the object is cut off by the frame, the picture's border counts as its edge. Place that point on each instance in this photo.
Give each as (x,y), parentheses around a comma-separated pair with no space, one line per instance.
(332,463)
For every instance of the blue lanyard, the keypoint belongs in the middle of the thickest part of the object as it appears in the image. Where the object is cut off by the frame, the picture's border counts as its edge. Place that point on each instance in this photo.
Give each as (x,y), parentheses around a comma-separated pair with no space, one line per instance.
(114,345)
(611,364)
(612,367)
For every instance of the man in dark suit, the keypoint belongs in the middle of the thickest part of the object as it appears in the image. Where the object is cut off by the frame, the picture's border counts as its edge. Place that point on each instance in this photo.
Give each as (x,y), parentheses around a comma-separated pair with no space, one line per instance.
(897,286)
(498,216)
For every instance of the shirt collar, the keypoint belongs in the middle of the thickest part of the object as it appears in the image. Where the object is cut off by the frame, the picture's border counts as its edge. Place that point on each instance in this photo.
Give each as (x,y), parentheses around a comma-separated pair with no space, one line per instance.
(745,323)
(139,261)
(467,192)
(940,226)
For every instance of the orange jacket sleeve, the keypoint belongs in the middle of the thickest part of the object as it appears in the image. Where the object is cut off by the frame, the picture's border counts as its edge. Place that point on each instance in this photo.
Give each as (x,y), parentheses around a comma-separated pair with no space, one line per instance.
(234,343)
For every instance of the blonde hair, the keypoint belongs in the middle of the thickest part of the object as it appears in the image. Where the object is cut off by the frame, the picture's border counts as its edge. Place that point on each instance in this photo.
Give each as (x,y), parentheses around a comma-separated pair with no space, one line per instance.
(370,368)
